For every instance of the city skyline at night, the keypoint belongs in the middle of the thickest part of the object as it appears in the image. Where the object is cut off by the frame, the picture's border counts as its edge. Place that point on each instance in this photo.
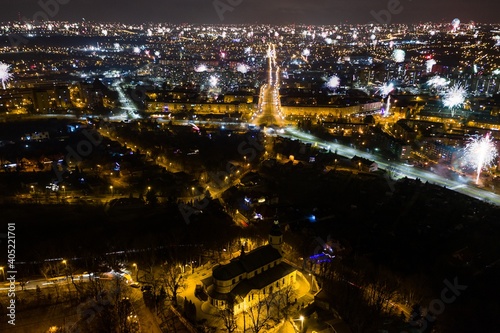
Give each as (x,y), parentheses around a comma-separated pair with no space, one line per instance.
(249,167)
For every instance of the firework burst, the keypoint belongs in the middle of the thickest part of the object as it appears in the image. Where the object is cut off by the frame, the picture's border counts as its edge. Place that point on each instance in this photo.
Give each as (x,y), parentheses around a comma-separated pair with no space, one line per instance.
(429,64)
(398,55)
(385,89)
(333,82)
(201,68)
(454,97)
(480,153)
(5,75)
(437,82)
(214,80)
(242,68)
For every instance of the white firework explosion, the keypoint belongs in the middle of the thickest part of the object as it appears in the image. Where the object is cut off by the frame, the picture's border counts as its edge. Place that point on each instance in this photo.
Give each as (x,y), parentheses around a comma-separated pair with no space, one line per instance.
(5,75)
(201,68)
(429,64)
(333,82)
(242,68)
(454,97)
(437,82)
(398,55)
(480,153)
(385,89)
(214,80)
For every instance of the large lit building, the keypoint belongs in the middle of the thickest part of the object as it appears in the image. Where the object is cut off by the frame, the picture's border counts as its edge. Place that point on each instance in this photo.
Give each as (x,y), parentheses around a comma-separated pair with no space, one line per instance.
(252,276)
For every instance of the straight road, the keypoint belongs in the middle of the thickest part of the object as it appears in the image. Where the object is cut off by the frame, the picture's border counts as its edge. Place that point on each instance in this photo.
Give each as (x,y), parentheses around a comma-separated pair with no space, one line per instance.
(398,168)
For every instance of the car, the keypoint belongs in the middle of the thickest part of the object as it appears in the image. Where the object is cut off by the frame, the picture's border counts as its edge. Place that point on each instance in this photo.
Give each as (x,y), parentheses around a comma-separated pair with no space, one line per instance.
(134,285)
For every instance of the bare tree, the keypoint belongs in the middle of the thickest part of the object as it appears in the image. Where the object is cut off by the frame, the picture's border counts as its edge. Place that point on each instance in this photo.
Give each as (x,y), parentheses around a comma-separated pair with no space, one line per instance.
(48,270)
(228,318)
(108,312)
(152,277)
(95,287)
(283,300)
(172,279)
(259,314)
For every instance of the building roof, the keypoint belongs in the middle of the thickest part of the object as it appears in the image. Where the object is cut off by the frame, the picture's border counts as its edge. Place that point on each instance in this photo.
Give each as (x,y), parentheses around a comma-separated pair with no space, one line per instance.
(247,263)
(263,279)
(258,282)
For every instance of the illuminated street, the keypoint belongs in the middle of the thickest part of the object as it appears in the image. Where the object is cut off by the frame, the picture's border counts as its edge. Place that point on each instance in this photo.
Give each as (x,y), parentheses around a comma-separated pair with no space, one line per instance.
(399,169)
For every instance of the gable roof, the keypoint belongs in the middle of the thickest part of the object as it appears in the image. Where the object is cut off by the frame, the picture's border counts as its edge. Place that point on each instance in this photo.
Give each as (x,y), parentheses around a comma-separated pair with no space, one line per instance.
(247,263)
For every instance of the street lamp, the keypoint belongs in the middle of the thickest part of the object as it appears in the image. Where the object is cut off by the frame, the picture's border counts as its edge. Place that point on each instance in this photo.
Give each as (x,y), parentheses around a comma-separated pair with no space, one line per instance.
(136,271)
(1,270)
(64,190)
(65,267)
(111,189)
(301,318)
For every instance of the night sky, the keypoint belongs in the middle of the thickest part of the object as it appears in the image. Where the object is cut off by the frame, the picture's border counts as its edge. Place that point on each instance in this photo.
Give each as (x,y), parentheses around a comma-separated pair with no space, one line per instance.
(256,11)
